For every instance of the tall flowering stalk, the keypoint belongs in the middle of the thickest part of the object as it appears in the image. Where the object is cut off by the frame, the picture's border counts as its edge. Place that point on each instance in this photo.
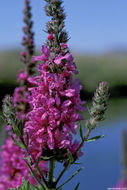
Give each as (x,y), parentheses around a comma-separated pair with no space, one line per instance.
(13,167)
(49,125)
(21,93)
(28,39)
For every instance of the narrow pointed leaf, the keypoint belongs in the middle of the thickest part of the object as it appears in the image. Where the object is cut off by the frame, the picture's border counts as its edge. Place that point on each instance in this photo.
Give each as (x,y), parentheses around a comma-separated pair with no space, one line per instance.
(16,129)
(70,178)
(95,138)
(34,175)
(25,185)
(70,156)
(77,186)
(77,163)
(27,158)
(18,143)
(81,132)
(45,158)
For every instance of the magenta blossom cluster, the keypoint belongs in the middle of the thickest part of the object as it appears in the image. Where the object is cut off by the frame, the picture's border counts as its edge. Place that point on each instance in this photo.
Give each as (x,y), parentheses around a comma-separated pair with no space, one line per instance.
(54,102)
(122,184)
(13,167)
(21,95)
(22,76)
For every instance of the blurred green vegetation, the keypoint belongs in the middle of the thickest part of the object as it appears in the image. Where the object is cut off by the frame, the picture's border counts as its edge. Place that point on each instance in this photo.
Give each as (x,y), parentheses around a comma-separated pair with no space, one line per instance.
(109,67)
(92,69)
(9,65)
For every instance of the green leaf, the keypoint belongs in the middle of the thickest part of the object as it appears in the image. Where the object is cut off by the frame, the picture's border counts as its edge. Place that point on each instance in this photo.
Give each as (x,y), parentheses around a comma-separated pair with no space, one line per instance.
(77,186)
(46,158)
(27,158)
(35,188)
(81,132)
(35,177)
(88,125)
(77,163)
(26,186)
(70,156)
(70,178)
(16,129)
(18,143)
(37,162)
(95,138)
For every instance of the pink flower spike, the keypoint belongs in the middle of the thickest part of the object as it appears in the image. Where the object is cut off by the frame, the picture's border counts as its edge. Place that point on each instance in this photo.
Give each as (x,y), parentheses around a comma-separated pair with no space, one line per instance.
(54,100)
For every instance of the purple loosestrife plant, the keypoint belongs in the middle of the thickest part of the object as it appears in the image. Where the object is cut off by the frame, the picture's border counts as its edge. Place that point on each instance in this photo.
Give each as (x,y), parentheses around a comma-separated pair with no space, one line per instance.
(48,131)
(13,167)
(21,93)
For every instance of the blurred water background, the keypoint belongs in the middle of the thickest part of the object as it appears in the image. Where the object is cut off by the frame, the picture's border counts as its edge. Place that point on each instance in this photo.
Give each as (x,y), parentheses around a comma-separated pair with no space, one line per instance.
(99,45)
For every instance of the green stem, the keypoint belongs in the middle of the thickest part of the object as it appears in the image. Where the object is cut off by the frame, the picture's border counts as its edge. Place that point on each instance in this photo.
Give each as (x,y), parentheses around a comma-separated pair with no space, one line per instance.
(35,177)
(82,143)
(57,40)
(62,173)
(41,175)
(51,173)
(77,151)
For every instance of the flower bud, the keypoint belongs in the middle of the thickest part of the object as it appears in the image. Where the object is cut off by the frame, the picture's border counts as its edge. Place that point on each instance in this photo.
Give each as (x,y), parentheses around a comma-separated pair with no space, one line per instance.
(99,105)
(8,108)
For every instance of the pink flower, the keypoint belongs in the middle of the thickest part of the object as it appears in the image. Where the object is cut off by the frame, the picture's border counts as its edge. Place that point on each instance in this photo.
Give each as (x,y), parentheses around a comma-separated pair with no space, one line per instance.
(74,147)
(122,184)
(69,92)
(67,57)
(64,45)
(13,167)
(44,56)
(50,36)
(24,54)
(54,102)
(22,75)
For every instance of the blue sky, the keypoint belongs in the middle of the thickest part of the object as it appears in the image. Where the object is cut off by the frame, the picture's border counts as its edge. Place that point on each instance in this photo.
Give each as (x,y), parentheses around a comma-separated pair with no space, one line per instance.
(93,25)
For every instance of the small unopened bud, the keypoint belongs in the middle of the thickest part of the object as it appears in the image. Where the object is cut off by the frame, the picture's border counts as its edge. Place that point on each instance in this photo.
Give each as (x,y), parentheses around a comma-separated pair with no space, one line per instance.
(8,108)
(24,54)
(63,37)
(50,36)
(99,104)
